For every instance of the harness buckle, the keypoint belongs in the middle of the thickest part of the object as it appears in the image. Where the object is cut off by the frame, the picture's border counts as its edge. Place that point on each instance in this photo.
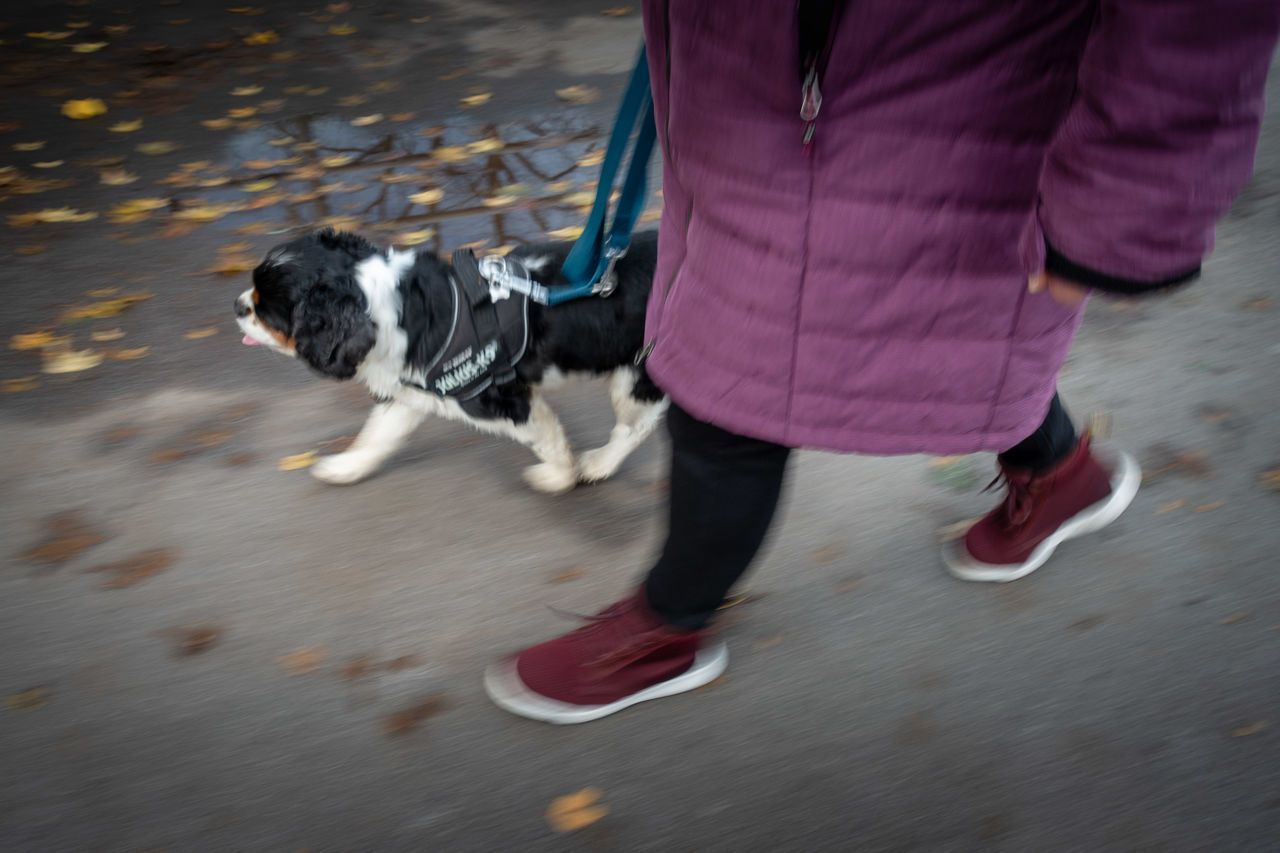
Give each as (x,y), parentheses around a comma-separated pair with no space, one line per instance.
(608,282)
(504,275)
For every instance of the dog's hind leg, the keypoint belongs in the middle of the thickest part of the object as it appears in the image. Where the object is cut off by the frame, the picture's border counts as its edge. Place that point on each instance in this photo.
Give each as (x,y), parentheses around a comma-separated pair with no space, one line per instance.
(389,424)
(638,407)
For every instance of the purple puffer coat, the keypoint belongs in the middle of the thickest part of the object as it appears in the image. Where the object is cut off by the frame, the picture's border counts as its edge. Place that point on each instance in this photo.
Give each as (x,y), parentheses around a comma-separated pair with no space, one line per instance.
(871,296)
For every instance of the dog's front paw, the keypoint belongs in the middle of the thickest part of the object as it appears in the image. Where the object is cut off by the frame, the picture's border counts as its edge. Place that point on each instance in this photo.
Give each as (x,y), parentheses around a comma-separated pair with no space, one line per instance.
(599,464)
(343,469)
(552,479)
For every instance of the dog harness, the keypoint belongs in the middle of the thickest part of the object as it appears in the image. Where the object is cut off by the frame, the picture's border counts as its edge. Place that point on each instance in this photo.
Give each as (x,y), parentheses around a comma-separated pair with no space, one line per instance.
(488,337)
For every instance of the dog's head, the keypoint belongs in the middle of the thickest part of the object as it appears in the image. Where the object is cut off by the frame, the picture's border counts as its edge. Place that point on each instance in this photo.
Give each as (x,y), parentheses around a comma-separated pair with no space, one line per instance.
(305,301)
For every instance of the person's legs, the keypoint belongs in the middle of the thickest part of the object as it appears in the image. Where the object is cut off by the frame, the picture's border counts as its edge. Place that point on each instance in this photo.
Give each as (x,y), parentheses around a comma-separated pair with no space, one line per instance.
(724,490)
(1059,487)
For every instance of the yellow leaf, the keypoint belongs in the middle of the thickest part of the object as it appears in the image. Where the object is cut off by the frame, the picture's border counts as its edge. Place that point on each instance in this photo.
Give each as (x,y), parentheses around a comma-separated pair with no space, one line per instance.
(32,340)
(72,362)
(317,90)
(77,25)
(413,238)
(213,182)
(49,164)
(401,116)
(116,177)
(483,146)
(107,335)
(206,212)
(196,334)
(103,292)
(118,29)
(126,126)
(579,94)
(1253,729)
(341,29)
(298,461)
(264,37)
(28,146)
(575,811)
(559,186)
(427,196)
(421,20)
(271,164)
(217,123)
(88,46)
(259,186)
(153,148)
(128,354)
(241,91)
(570,233)
(53,214)
(653,214)
(106,308)
(27,700)
(51,36)
(595,158)
(280,140)
(352,100)
(232,264)
(476,100)
(450,153)
(242,112)
(24,383)
(384,86)
(1270,479)
(28,251)
(337,160)
(84,108)
(302,661)
(365,121)
(246,10)
(581,199)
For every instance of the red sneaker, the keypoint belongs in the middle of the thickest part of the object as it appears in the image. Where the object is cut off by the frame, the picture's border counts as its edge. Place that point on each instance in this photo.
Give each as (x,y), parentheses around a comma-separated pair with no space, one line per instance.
(1041,511)
(624,655)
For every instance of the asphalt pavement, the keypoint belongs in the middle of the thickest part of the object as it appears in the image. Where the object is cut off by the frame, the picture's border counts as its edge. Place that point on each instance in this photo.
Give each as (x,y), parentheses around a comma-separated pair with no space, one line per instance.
(202,648)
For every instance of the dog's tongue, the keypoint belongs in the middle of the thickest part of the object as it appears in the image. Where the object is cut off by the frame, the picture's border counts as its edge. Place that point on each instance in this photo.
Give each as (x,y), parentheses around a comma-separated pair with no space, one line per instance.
(249,342)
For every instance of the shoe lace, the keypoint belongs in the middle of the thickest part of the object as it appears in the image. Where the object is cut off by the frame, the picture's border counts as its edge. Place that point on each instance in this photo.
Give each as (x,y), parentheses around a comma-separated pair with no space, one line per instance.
(1025,494)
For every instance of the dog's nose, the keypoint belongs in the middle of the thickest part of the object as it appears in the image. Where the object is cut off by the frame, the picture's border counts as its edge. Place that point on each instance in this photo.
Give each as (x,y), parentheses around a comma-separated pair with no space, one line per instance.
(243,309)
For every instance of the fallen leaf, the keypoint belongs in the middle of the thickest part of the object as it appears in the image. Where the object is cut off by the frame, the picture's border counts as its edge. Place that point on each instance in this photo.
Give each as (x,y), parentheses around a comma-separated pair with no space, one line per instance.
(107,335)
(136,209)
(431,196)
(576,811)
(134,570)
(482,146)
(127,354)
(33,340)
(341,29)
(32,699)
(28,251)
(153,148)
(352,100)
(57,214)
(271,164)
(579,94)
(48,164)
(302,661)
(414,238)
(245,91)
(241,112)
(404,722)
(567,575)
(104,308)
(1252,729)
(71,362)
(1258,303)
(365,121)
(1209,507)
(765,643)
(50,35)
(195,639)
(317,90)
(218,123)
(421,20)
(828,554)
(264,37)
(298,461)
(559,186)
(1270,479)
(617,11)
(450,153)
(476,100)
(338,8)
(1238,617)
(207,212)
(336,160)
(594,158)
(118,29)
(580,199)
(196,334)
(259,186)
(84,108)
(67,536)
(571,232)
(246,10)
(22,383)
(28,146)
(126,126)
(88,46)
(401,116)
(1171,506)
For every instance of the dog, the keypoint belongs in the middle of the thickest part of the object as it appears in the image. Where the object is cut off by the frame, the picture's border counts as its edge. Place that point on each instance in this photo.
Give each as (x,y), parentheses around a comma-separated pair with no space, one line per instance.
(350,310)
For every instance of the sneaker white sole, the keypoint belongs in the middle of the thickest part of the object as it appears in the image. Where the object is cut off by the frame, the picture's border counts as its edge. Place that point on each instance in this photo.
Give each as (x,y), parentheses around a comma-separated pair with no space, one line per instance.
(508,691)
(1125,477)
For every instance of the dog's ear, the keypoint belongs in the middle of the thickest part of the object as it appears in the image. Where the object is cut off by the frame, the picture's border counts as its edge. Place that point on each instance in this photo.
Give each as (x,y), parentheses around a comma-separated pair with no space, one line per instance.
(332,331)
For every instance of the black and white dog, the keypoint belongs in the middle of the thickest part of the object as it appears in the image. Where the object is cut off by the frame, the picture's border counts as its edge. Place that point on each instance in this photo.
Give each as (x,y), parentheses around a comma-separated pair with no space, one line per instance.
(353,311)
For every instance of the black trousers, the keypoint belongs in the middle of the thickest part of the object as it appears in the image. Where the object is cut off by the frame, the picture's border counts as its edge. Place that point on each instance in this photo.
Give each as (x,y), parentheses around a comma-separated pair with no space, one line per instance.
(724,491)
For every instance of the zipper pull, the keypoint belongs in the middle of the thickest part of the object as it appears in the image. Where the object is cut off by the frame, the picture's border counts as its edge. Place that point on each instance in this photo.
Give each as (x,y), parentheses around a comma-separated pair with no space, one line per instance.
(810,104)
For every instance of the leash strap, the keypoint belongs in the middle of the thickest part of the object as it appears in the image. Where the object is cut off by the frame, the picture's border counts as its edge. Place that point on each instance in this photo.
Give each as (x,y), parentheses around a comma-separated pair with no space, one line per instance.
(589,266)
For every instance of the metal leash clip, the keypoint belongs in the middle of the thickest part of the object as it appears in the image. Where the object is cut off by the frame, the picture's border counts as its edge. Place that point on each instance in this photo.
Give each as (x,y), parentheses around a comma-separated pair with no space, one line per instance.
(608,282)
(505,275)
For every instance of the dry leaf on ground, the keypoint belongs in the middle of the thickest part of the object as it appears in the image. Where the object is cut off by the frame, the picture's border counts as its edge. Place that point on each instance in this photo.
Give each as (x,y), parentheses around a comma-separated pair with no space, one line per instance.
(194,639)
(579,94)
(20,384)
(134,570)
(476,100)
(427,196)
(71,362)
(404,722)
(196,334)
(298,461)
(576,811)
(67,536)
(28,700)
(84,108)
(1252,729)
(126,126)
(264,37)
(157,147)
(302,661)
